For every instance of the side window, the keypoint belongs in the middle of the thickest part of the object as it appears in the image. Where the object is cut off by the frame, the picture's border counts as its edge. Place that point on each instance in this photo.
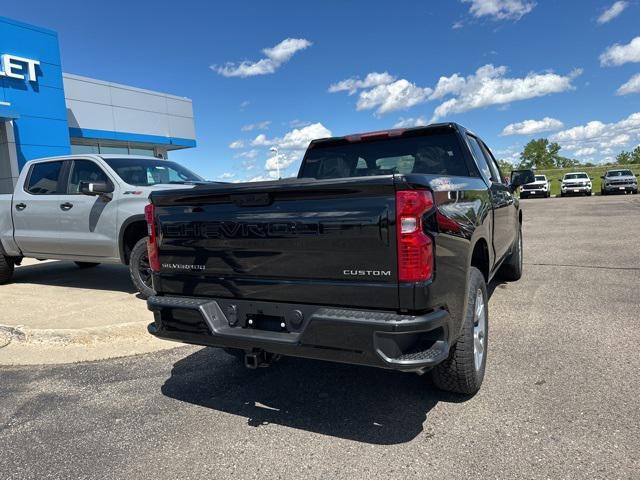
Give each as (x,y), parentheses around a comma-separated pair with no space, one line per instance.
(480,157)
(43,179)
(84,171)
(493,165)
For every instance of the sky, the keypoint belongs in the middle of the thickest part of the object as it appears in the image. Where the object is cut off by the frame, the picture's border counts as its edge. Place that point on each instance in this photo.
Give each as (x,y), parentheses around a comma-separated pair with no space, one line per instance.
(267,77)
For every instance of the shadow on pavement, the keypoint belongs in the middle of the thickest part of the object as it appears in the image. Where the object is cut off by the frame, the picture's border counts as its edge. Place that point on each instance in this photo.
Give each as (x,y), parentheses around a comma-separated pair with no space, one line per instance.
(495,284)
(67,274)
(345,401)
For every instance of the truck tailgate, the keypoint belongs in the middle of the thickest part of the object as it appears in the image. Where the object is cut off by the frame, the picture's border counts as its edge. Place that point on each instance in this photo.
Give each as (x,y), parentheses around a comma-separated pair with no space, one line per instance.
(306,241)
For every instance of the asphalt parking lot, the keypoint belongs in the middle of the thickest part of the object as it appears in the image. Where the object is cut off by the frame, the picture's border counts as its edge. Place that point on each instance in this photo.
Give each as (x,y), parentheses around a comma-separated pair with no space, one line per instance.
(560,399)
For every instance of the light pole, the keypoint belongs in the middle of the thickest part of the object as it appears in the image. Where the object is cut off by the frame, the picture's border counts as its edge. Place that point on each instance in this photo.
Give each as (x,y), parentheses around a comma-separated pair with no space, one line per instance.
(274,150)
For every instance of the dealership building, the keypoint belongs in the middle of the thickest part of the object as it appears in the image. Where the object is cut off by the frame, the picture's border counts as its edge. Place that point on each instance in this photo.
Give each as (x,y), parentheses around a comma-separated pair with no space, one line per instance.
(45,112)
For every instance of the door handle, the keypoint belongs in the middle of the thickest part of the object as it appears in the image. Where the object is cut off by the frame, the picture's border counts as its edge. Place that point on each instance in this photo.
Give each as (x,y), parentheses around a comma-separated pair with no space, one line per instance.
(66,206)
(21,206)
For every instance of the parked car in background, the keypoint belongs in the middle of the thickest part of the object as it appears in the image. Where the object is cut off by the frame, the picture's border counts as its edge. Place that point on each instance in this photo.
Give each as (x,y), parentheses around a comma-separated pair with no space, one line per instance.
(85,208)
(540,188)
(575,183)
(378,254)
(620,180)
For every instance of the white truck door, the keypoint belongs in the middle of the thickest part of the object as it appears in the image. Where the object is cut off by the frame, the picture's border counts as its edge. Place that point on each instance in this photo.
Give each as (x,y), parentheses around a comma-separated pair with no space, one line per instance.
(36,210)
(88,222)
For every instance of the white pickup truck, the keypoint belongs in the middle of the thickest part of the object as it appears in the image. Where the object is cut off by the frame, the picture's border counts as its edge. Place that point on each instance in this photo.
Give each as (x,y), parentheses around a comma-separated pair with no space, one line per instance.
(85,208)
(541,187)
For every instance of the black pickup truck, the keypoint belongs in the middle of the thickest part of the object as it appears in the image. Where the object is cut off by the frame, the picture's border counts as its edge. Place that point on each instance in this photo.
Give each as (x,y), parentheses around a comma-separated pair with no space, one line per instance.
(377,254)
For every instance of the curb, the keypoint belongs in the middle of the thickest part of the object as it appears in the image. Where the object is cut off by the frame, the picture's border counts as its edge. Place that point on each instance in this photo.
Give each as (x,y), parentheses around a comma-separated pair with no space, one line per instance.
(79,336)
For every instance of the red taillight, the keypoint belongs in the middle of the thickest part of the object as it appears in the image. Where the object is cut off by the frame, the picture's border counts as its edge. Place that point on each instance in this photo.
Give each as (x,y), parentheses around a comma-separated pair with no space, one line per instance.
(152,244)
(415,248)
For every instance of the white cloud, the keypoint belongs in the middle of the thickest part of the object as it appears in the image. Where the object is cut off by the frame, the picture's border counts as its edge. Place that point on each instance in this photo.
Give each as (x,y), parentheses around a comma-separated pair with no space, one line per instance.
(256,126)
(500,9)
(381,91)
(601,140)
(411,122)
(529,127)
(260,141)
(226,176)
(291,147)
(510,154)
(244,104)
(352,85)
(297,123)
(249,165)
(248,154)
(489,86)
(448,86)
(585,152)
(284,160)
(299,138)
(263,178)
(275,57)
(631,86)
(399,95)
(618,54)
(613,11)
(457,25)
(236,144)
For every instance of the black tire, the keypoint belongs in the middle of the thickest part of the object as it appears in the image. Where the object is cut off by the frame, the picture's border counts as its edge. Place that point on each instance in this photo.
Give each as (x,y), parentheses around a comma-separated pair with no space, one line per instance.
(86,264)
(140,270)
(562,194)
(6,269)
(462,372)
(511,269)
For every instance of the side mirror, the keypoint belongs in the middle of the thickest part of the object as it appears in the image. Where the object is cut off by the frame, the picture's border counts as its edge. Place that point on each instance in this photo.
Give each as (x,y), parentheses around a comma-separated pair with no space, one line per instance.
(602,177)
(95,188)
(521,177)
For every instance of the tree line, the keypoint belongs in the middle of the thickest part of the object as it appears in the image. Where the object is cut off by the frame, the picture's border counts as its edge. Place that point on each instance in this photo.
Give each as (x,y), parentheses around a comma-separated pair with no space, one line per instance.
(543,154)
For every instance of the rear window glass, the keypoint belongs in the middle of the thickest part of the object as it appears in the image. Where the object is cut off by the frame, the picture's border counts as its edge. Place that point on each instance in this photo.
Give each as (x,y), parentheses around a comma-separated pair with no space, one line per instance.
(438,154)
(43,179)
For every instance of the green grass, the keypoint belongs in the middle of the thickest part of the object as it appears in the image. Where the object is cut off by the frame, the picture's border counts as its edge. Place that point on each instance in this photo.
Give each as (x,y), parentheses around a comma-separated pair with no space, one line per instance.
(555,174)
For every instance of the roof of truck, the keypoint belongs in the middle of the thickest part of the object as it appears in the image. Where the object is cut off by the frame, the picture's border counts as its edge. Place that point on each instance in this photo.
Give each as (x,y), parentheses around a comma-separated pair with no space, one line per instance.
(392,132)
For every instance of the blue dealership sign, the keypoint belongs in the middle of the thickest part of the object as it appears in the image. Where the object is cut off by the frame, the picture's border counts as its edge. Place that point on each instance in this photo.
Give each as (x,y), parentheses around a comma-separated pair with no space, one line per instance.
(31,90)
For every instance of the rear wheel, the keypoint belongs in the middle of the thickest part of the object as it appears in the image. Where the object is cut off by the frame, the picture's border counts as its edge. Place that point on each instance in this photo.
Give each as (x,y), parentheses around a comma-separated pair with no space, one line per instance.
(463,371)
(140,270)
(6,269)
(86,264)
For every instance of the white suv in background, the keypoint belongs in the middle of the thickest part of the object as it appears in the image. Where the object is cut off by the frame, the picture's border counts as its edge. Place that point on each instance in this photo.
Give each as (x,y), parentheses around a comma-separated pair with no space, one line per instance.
(575,183)
(540,188)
